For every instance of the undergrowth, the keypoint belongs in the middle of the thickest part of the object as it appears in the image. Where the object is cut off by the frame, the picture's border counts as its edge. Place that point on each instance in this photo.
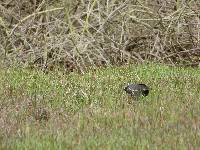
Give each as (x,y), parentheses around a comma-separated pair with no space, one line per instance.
(90,111)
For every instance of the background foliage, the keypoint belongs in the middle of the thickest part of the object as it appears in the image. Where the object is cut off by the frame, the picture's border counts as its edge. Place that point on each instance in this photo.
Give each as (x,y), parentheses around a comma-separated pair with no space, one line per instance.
(77,34)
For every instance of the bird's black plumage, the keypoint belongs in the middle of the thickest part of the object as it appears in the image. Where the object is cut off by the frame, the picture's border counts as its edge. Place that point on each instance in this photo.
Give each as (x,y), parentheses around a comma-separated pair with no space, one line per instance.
(136,90)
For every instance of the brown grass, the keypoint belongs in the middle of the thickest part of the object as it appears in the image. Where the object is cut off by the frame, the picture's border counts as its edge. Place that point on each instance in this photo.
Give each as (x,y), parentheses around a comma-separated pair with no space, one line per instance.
(77,34)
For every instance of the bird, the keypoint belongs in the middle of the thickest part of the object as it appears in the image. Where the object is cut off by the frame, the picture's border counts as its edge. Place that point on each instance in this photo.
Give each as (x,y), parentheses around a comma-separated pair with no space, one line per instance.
(41,114)
(137,90)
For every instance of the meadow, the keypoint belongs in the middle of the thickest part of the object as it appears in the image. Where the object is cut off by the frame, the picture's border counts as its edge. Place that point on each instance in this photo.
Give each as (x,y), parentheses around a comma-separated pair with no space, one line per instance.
(64,65)
(90,110)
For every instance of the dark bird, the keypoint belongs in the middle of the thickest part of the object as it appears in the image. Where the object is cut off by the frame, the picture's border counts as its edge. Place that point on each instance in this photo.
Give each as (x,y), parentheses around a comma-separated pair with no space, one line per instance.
(41,114)
(137,90)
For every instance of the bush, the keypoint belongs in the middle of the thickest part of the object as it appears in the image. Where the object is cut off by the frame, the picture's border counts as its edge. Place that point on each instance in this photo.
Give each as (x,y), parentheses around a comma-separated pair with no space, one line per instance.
(75,35)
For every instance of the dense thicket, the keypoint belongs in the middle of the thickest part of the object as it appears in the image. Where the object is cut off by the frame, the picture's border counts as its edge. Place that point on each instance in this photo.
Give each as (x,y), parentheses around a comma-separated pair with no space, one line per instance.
(81,33)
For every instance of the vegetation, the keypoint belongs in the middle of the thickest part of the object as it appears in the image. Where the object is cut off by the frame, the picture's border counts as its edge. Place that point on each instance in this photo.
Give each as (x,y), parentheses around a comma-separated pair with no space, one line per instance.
(76,34)
(94,114)
(64,65)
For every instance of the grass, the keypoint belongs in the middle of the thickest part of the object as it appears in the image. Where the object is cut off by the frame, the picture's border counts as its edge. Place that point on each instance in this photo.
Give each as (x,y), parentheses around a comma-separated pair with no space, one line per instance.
(90,111)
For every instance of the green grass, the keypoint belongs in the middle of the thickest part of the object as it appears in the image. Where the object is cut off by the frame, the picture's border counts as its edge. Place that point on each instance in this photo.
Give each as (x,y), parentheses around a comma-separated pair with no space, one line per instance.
(90,111)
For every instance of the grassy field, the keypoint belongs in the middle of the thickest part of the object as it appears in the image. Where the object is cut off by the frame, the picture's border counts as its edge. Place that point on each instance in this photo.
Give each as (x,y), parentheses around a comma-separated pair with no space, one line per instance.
(90,111)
